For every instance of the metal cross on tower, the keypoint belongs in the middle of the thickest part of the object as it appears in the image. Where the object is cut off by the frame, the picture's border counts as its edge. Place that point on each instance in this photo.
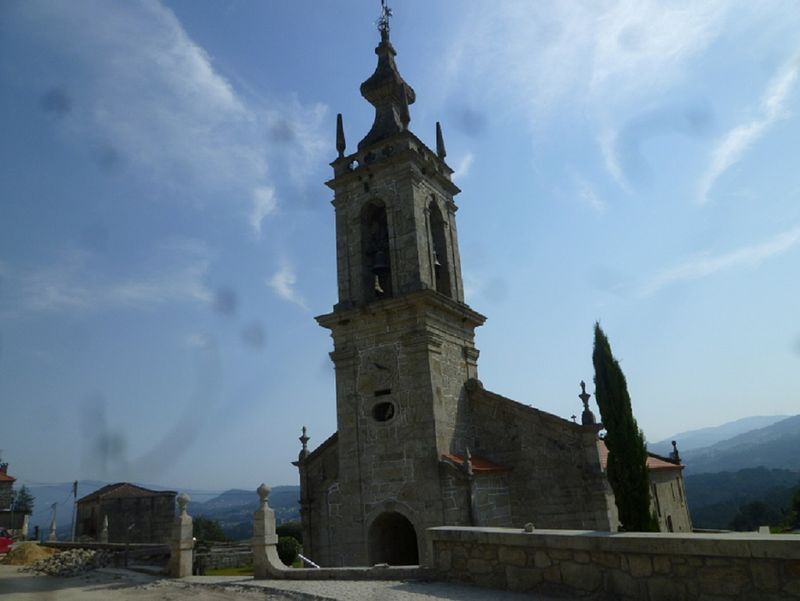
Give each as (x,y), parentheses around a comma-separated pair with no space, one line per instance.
(383,20)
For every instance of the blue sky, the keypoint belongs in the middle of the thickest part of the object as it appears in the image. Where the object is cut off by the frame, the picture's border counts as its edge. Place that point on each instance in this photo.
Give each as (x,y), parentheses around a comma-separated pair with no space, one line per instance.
(166,238)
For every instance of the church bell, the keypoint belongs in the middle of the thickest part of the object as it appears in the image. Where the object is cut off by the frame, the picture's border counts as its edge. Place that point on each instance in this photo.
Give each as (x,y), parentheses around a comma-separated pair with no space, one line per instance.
(380,265)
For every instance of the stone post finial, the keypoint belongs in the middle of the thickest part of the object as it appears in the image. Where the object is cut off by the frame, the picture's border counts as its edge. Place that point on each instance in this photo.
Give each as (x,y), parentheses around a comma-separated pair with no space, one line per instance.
(104,531)
(265,555)
(587,417)
(263,492)
(183,502)
(468,462)
(441,152)
(53,532)
(675,455)
(340,143)
(181,541)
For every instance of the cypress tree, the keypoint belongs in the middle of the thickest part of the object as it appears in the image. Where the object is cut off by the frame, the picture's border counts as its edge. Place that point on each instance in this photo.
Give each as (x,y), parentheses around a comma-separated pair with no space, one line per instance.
(627,453)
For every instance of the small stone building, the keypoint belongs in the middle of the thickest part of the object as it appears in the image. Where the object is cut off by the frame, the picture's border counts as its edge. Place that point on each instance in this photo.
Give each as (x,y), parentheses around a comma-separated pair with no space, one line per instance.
(149,512)
(15,521)
(6,488)
(420,441)
(667,494)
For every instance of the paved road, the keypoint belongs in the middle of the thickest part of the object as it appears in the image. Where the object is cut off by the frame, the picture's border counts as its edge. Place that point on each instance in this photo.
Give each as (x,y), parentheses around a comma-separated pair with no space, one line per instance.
(124,585)
(370,591)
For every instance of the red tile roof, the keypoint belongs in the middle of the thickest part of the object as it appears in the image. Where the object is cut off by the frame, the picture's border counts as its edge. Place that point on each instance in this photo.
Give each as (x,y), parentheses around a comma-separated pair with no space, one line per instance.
(479,464)
(654,462)
(4,477)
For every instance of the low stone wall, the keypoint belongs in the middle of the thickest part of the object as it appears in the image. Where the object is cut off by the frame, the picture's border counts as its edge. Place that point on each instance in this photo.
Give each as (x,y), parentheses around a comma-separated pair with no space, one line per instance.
(220,555)
(624,566)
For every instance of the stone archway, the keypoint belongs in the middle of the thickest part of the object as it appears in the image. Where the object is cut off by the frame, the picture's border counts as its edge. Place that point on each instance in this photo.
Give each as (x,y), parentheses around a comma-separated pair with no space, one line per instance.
(393,540)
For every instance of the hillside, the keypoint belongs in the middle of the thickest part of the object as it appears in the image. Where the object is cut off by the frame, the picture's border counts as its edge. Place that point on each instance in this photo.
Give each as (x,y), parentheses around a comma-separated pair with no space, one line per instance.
(714,499)
(234,508)
(774,447)
(705,437)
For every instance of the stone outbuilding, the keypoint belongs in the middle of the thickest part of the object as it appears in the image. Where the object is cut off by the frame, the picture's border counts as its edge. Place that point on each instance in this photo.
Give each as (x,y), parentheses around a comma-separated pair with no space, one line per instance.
(667,493)
(15,521)
(420,441)
(134,514)
(6,488)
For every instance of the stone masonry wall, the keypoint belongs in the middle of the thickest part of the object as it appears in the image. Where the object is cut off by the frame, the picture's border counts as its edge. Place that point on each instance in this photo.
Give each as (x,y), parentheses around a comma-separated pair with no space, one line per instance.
(222,555)
(621,566)
(555,478)
(491,500)
(151,516)
(6,495)
(412,355)
(668,501)
(319,502)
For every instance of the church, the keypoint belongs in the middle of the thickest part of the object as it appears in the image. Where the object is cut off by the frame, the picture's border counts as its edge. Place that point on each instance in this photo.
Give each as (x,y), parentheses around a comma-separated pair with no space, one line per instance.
(420,441)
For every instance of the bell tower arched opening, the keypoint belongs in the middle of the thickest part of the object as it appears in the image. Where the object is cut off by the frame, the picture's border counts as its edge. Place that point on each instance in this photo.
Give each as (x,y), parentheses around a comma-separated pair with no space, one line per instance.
(393,540)
(377,268)
(440,255)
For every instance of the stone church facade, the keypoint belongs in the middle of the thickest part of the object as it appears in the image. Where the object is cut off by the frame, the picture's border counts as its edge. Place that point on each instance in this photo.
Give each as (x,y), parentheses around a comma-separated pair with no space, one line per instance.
(420,441)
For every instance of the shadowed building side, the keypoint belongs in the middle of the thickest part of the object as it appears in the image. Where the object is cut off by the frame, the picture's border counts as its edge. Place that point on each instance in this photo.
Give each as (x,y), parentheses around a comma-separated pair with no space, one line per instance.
(133,513)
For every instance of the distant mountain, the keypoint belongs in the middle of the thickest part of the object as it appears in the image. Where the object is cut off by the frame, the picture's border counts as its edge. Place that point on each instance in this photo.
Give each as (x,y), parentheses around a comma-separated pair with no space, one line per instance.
(714,499)
(234,508)
(776,446)
(705,437)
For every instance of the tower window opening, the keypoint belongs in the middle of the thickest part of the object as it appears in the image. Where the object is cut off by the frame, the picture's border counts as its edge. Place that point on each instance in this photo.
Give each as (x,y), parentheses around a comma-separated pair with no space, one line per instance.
(383,392)
(377,273)
(439,255)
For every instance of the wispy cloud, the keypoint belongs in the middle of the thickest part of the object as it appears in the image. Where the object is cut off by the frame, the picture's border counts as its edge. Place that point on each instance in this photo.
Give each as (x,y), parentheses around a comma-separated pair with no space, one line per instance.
(703,265)
(264,204)
(197,341)
(463,165)
(587,193)
(608,148)
(141,89)
(556,53)
(77,281)
(736,142)
(283,283)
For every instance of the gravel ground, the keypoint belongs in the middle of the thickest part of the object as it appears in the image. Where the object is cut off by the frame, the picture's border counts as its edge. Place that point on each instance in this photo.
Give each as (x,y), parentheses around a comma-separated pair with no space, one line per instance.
(108,584)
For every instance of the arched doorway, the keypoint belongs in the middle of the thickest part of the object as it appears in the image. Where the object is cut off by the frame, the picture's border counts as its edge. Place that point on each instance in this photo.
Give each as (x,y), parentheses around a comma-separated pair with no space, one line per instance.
(393,540)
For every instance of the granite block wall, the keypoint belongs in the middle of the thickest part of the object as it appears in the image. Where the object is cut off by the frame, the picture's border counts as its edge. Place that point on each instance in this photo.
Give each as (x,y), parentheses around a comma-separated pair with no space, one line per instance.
(623,566)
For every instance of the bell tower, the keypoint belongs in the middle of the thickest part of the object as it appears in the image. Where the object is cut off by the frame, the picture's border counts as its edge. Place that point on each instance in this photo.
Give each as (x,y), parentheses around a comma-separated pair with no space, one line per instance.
(403,337)
(395,215)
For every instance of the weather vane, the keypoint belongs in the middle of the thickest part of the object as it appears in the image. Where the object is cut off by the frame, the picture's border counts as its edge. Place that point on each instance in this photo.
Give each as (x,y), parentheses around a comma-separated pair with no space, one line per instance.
(383,20)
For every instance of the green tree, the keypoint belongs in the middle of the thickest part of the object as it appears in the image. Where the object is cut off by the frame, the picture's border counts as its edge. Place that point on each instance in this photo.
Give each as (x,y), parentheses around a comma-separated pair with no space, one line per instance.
(793,517)
(627,453)
(288,548)
(293,529)
(207,530)
(23,500)
(752,515)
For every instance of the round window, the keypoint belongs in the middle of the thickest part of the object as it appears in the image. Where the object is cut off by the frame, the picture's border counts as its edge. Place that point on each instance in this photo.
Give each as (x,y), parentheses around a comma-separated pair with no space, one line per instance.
(383,412)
